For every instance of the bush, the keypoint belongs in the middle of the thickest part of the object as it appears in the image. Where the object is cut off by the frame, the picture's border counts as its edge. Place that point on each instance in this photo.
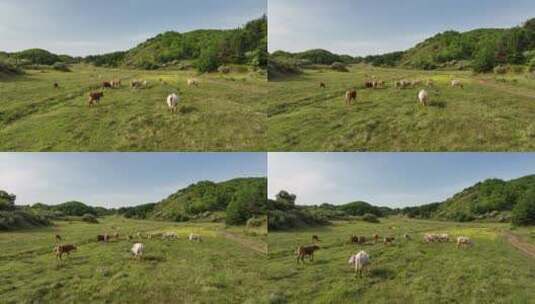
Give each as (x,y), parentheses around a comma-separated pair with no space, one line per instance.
(89,218)
(60,66)
(278,68)
(8,68)
(339,66)
(524,211)
(518,69)
(208,60)
(370,218)
(485,58)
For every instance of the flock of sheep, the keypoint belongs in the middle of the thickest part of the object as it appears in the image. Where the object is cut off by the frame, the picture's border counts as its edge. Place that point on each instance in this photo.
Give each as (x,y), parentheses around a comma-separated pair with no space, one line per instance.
(361,260)
(423,94)
(95,96)
(137,248)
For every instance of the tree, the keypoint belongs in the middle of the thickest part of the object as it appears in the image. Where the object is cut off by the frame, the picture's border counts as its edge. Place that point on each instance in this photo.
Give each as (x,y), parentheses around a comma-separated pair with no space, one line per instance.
(7,201)
(524,211)
(208,60)
(485,57)
(247,202)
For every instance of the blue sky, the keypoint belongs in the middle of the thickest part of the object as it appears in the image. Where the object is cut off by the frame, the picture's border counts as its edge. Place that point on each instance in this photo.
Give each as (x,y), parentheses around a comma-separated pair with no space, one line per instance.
(363,27)
(81,27)
(388,179)
(117,179)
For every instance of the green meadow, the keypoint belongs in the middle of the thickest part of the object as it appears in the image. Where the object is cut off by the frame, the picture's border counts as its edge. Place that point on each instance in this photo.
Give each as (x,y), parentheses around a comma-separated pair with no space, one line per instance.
(228,266)
(226,112)
(407,271)
(491,113)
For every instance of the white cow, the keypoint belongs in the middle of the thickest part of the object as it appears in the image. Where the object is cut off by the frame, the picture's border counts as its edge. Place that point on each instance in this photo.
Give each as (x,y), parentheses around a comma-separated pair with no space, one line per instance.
(193,82)
(360,261)
(423,96)
(170,236)
(464,241)
(457,83)
(172,102)
(137,250)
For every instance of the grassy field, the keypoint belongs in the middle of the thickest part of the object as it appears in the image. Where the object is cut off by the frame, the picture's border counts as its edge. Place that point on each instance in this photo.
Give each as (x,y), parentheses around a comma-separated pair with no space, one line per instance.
(217,270)
(225,113)
(407,271)
(492,113)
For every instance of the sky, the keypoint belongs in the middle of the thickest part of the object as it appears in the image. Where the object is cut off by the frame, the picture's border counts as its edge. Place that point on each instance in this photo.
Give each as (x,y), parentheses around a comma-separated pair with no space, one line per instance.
(117,179)
(81,27)
(388,179)
(364,27)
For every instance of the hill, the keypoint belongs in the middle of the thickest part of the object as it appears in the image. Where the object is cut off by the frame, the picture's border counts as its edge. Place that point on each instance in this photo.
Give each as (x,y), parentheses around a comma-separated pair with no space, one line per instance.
(235,200)
(208,48)
(479,49)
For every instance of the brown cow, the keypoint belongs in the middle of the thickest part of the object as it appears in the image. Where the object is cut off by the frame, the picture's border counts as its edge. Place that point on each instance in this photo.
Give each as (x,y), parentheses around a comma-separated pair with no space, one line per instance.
(388,240)
(315,238)
(369,84)
(107,84)
(56,85)
(94,98)
(357,239)
(58,238)
(351,95)
(322,85)
(63,249)
(116,83)
(304,251)
(376,238)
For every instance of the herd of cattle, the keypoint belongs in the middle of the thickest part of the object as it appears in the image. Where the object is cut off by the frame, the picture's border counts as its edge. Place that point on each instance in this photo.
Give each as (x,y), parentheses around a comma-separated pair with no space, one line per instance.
(96,96)
(137,248)
(423,94)
(361,260)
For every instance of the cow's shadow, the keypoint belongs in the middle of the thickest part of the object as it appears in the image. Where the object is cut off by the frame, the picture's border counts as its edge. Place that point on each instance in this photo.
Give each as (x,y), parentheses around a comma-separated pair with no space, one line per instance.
(154,258)
(382,273)
(439,104)
(187,109)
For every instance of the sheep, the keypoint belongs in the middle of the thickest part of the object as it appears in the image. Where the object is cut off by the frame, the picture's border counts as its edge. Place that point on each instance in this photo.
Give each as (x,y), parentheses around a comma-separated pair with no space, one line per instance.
(169,236)
(304,251)
(423,97)
(194,237)
(137,250)
(63,249)
(172,102)
(193,82)
(360,261)
(94,98)
(457,83)
(351,95)
(464,241)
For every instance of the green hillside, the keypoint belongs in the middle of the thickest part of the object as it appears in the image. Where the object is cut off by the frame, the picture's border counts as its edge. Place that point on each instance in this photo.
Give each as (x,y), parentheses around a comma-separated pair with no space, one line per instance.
(237,200)
(209,49)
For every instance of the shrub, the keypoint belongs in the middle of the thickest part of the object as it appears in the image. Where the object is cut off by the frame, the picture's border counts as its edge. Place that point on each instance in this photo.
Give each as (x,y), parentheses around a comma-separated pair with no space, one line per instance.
(60,66)
(208,60)
(370,218)
(524,211)
(339,66)
(518,69)
(485,58)
(89,218)
(8,68)
(278,68)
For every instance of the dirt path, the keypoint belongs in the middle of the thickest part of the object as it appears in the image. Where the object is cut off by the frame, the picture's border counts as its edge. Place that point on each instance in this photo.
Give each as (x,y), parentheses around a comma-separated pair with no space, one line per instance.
(245,242)
(518,243)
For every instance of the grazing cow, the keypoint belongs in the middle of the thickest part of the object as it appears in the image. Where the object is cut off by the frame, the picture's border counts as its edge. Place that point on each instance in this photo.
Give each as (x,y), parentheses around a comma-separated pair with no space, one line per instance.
(145,84)
(94,98)
(443,237)
(136,84)
(103,237)
(137,250)
(322,85)
(116,83)
(388,240)
(407,237)
(375,238)
(172,102)
(139,235)
(56,85)
(457,83)
(423,97)
(315,238)
(193,82)
(430,238)
(369,84)
(357,239)
(194,237)
(63,249)
(129,237)
(351,96)
(107,84)
(463,241)
(169,236)
(416,82)
(304,251)
(360,261)
(58,238)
